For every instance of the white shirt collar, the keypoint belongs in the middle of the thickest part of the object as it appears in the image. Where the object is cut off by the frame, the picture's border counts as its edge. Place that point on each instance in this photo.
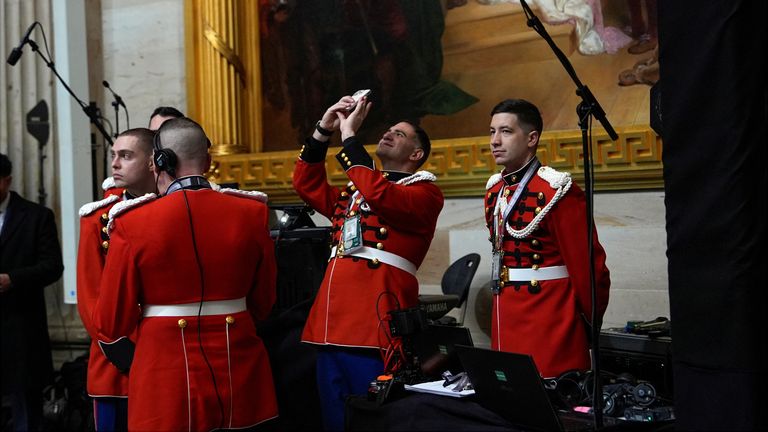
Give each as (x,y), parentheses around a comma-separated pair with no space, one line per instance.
(4,204)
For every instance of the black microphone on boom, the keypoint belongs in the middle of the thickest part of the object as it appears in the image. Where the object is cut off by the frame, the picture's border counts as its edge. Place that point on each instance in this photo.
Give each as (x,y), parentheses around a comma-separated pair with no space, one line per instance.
(16,53)
(118,99)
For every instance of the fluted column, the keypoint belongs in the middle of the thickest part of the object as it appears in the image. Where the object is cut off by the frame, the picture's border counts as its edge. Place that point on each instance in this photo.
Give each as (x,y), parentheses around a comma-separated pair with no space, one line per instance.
(224,74)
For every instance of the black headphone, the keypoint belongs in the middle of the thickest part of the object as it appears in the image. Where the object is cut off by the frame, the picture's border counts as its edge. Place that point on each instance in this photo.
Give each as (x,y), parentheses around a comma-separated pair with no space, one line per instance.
(573,387)
(621,391)
(165,159)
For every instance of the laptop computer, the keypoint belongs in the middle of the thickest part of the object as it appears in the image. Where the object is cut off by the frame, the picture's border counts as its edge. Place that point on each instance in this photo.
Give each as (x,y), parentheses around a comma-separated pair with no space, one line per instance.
(509,384)
(435,349)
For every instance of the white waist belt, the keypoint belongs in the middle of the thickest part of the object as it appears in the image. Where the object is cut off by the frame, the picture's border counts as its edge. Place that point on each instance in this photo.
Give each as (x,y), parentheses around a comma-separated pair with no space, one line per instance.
(528,274)
(218,307)
(382,256)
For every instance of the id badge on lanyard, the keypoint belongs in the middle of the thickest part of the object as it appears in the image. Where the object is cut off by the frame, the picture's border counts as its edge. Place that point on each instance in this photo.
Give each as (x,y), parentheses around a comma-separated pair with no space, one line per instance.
(497,260)
(500,214)
(352,234)
(496,266)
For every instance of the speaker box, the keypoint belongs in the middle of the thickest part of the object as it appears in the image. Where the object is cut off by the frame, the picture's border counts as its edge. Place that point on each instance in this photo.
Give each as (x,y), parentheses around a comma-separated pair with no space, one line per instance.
(302,256)
(644,357)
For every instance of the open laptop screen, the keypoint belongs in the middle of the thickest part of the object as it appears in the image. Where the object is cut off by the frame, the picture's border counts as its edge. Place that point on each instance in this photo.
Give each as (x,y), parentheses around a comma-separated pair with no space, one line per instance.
(510,385)
(435,348)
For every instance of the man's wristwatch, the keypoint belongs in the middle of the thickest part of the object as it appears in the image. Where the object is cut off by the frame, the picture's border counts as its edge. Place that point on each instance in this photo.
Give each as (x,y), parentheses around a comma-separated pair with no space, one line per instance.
(323,131)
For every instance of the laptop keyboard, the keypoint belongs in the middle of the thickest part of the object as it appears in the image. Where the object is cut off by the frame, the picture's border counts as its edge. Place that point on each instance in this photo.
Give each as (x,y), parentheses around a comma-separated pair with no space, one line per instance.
(574,421)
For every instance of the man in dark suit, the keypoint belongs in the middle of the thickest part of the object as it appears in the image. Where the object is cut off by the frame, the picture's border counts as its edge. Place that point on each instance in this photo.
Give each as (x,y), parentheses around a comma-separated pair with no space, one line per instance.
(30,260)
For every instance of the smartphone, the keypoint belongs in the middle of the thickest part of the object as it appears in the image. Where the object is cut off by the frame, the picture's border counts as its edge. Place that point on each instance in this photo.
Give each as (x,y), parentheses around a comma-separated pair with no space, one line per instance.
(357,96)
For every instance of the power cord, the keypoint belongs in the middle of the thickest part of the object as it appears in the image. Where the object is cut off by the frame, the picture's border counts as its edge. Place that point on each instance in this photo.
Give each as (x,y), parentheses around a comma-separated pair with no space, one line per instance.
(394,347)
(200,309)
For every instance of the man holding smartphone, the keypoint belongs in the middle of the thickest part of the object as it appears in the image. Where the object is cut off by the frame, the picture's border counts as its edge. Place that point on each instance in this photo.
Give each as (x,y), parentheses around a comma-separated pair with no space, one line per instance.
(383,224)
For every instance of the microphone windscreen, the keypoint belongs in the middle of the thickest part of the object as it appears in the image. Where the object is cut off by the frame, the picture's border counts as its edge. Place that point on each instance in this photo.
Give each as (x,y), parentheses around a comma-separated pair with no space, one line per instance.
(14,57)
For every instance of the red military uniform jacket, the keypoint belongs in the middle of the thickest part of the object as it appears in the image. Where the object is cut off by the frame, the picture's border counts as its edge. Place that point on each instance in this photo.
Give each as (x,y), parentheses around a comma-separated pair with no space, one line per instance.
(547,318)
(398,214)
(152,265)
(104,380)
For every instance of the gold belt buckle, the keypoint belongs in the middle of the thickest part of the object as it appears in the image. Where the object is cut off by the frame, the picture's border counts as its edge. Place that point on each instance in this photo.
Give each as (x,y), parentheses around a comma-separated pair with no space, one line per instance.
(504,276)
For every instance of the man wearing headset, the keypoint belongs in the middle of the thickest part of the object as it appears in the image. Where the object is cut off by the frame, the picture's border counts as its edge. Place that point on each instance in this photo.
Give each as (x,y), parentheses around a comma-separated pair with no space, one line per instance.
(194,285)
(133,176)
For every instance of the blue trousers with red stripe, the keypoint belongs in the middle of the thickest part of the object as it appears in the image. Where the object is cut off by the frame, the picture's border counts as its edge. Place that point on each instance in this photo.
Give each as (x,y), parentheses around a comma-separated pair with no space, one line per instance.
(342,372)
(110,414)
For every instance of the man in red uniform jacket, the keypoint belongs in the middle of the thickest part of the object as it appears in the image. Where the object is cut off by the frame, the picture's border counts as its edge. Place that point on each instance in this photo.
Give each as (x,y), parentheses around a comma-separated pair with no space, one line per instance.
(193,271)
(383,223)
(133,175)
(537,220)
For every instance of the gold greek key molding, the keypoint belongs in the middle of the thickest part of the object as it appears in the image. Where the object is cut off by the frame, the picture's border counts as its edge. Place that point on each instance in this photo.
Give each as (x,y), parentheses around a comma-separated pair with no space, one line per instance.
(463,165)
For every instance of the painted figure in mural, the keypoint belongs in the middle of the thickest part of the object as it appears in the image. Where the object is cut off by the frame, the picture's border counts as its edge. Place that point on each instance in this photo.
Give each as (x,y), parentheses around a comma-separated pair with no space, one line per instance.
(645,71)
(643,17)
(315,50)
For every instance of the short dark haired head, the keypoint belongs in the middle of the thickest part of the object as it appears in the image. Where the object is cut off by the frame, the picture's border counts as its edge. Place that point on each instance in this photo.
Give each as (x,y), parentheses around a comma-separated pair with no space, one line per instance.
(6,167)
(185,137)
(527,113)
(143,135)
(422,138)
(167,111)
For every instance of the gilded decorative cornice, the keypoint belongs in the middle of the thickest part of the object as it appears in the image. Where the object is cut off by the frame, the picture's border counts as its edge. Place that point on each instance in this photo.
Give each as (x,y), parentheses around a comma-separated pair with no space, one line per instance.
(463,165)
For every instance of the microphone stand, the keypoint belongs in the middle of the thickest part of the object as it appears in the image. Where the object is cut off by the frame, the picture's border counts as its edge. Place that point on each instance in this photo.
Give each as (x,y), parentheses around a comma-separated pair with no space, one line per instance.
(41,195)
(89,110)
(117,117)
(587,108)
